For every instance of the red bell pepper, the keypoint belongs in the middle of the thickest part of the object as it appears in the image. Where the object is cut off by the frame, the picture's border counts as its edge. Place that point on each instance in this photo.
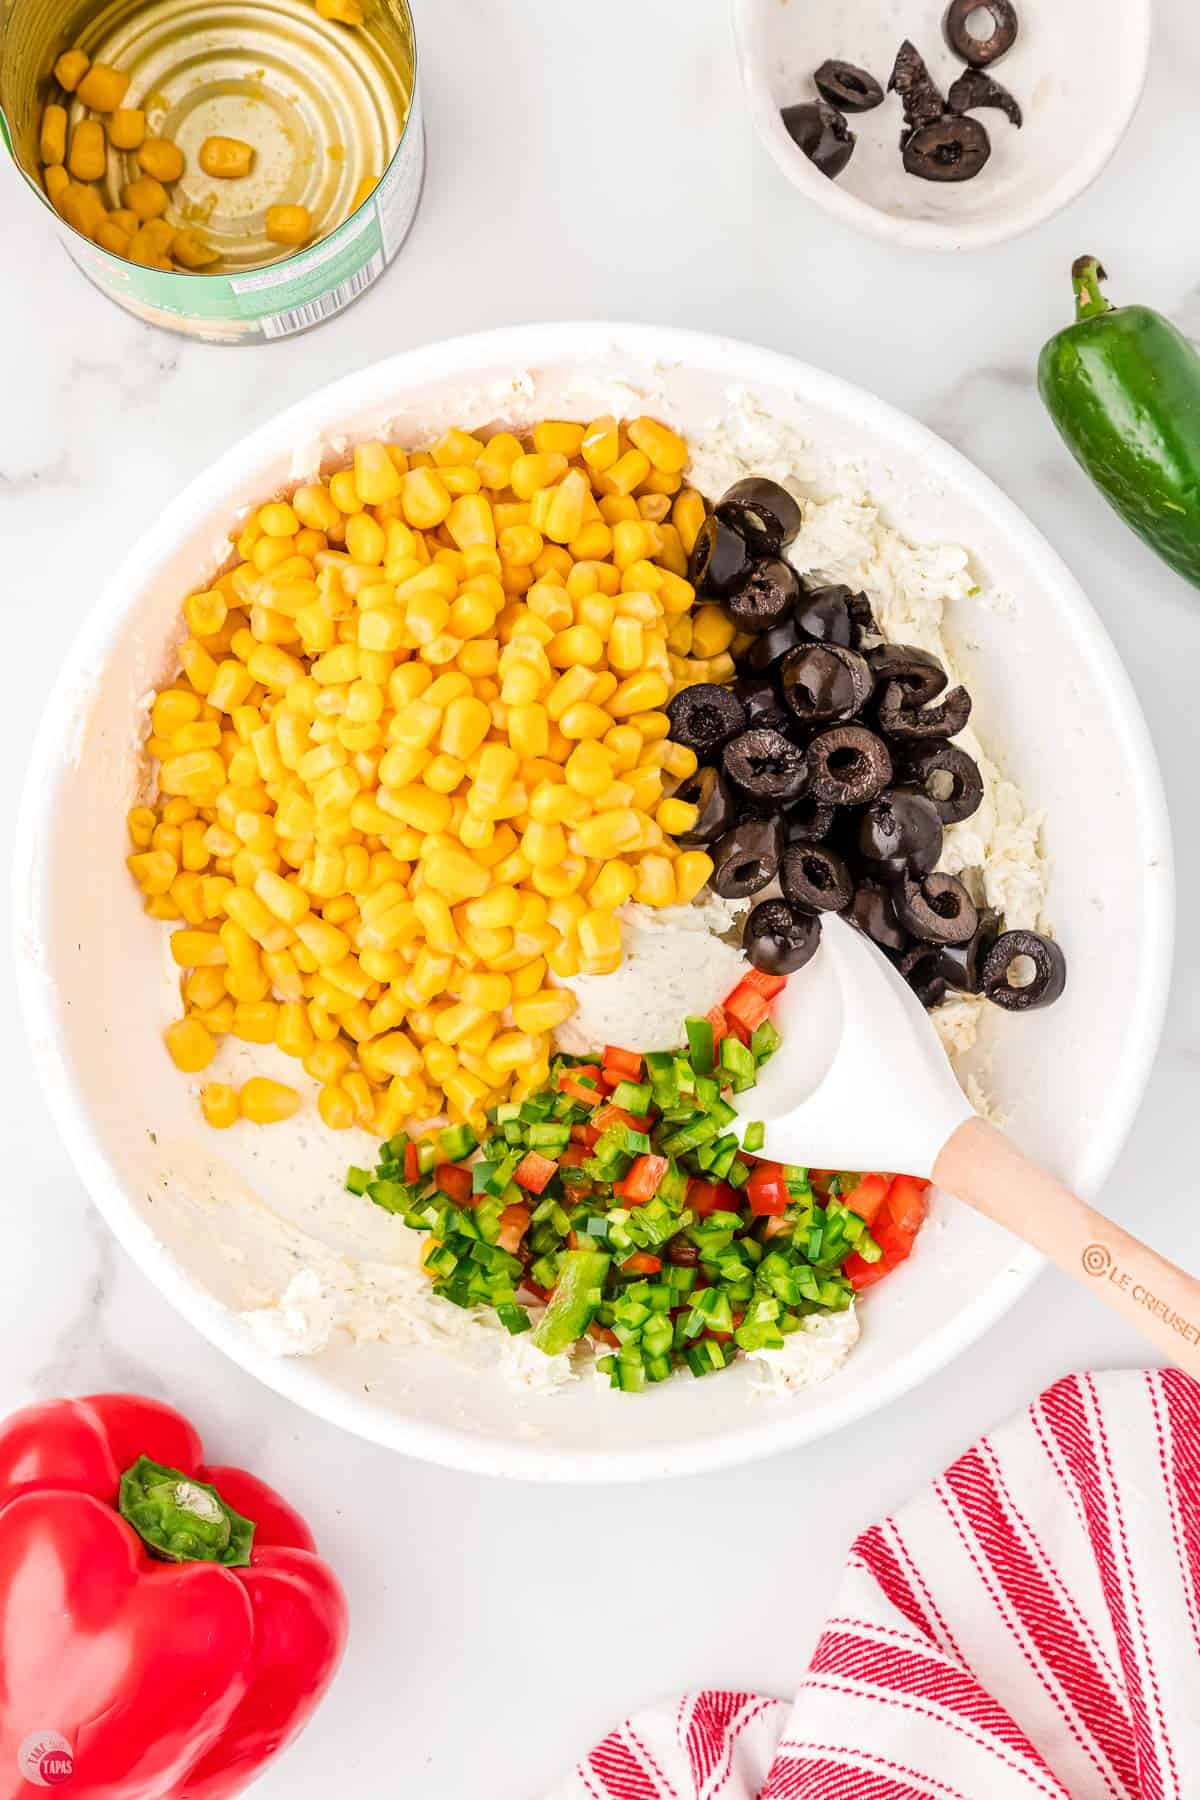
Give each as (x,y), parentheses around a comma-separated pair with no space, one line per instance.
(454,1181)
(762,983)
(642,1263)
(766,1190)
(621,1065)
(705,1197)
(165,1627)
(535,1172)
(720,1024)
(746,1006)
(574,1082)
(869,1195)
(641,1183)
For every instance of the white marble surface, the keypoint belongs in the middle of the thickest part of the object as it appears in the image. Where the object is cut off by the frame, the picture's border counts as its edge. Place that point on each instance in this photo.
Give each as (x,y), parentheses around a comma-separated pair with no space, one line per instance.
(584,162)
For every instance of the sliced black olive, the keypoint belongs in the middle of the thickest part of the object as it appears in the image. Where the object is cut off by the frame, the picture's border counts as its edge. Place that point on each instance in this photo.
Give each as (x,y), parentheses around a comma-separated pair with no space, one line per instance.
(952,148)
(961,965)
(808,822)
(947,776)
(919,966)
(847,87)
(823,614)
(720,559)
(1049,971)
(760,697)
(767,595)
(936,908)
(747,858)
(778,940)
(824,683)
(705,717)
(815,879)
(898,720)
(848,765)
(873,910)
(980,50)
(900,833)
(862,618)
(822,133)
(973,89)
(764,513)
(766,650)
(708,791)
(919,94)
(766,766)
(921,675)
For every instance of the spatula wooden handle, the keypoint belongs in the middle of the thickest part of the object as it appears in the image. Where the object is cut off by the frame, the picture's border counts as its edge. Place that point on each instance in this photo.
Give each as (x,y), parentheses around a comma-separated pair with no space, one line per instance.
(983,1168)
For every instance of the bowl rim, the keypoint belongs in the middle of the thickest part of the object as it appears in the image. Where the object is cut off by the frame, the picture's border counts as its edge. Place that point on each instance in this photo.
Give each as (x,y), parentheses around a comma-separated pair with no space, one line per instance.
(767,1429)
(928,234)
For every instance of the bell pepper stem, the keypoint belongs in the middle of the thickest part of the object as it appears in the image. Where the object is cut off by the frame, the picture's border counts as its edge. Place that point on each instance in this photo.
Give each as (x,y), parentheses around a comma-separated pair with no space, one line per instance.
(183,1520)
(1086,275)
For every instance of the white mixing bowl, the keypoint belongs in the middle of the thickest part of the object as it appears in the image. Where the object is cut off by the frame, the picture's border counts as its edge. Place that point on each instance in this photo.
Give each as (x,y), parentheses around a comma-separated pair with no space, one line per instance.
(1051,700)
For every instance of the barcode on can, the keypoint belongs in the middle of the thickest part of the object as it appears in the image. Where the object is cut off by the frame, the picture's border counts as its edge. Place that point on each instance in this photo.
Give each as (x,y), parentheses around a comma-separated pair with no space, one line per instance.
(311,312)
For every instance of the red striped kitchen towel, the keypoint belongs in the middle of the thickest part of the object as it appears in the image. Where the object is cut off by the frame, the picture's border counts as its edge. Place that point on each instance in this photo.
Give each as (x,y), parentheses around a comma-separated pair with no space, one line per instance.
(1026,1629)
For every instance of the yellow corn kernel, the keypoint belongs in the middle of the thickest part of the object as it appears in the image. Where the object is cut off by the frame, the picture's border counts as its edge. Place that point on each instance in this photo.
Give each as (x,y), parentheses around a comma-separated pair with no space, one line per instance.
(520,545)
(70,69)
(613,886)
(676,759)
(530,473)
(676,817)
(562,437)
(127,128)
(102,88)
(266,1102)
(197,949)
(375,474)
(57,182)
(151,243)
(288,224)
(665,449)
(327,1062)
(599,944)
(198,774)
(565,513)
(712,631)
(454,875)
(454,1022)
(288,902)
(435,915)
(529,730)
(546,1010)
(334,1103)
(226,158)
(498,907)
(589,769)
(425,498)
(601,444)
(639,693)
(627,473)
(140,822)
(608,833)
(87,158)
(52,135)
(161,158)
(578,645)
(146,198)
(655,884)
(219,1104)
(193,251)
(470,521)
(584,720)
(492,992)
(153,870)
(692,870)
(363,192)
(465,725)
(254,1021)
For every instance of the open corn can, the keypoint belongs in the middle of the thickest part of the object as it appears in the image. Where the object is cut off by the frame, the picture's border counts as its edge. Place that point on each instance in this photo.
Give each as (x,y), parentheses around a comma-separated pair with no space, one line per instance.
(329,109)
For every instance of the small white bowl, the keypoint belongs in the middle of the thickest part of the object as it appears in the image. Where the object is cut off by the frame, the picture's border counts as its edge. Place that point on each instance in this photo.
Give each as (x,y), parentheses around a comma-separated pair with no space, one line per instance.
(1077,69)
(192,1205)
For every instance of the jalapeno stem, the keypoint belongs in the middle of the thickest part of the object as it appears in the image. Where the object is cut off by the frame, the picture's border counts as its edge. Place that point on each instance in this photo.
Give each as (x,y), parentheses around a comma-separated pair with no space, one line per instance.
(1087,272)
(181,1519)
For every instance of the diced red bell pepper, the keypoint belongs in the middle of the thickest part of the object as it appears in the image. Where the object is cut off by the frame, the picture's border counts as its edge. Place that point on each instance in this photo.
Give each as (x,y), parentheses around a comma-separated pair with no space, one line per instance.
(893,1240)
(616,1115)
(704,1197)
(766,1190)
(412,1163)
(642,1263)
(571,1082)
(169,1677)
(641,1183)
(455,1182)
(573,1157)
(602,1334)
(746,1006)
(862,1274)
(626,1064)
(514,1223)
(907,1202)
(766,985)
(720,1024)
(535,1172)
(867,1198)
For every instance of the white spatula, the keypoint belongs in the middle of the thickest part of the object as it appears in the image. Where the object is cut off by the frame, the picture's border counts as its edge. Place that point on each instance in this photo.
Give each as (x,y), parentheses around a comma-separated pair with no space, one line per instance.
(861,1082)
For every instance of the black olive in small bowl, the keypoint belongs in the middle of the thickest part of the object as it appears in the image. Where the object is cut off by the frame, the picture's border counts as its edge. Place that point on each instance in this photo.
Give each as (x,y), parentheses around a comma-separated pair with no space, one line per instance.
(825,684)
(936,908)
(766,767)
(747,858)
(1001,964)
(766,596)
(709,792)
(822,133)
(778,939)
(762,512)
(720,559)
(705,717)
(980,49)
(899,833)
(953,148)
(846,86)
(919,94)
